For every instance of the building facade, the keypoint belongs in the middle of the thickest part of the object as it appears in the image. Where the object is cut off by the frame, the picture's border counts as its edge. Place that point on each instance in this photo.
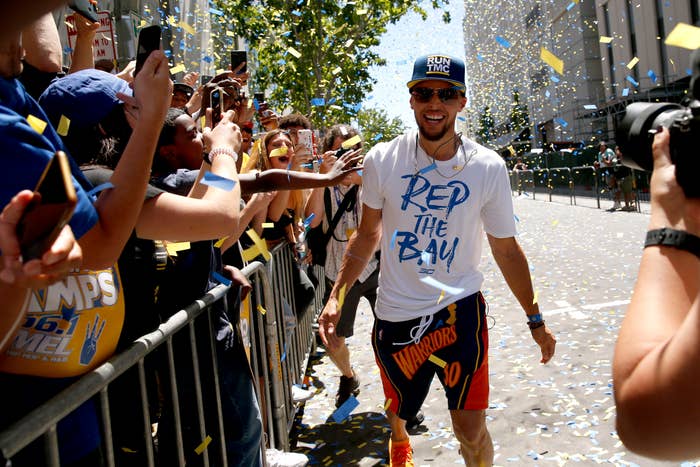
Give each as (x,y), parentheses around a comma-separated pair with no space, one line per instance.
(580,104)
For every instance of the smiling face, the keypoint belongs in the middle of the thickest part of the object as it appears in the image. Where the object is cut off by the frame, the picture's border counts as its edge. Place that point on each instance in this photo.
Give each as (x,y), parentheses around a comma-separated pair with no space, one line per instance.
(435,117)
(188,142)
(278,141)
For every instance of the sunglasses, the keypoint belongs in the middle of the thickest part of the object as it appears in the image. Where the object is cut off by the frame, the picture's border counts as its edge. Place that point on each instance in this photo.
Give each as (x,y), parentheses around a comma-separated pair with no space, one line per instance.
(424,95)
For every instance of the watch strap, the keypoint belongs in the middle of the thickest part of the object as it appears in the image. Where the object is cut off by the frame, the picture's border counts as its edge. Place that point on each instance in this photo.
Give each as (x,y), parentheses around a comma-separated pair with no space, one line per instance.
(679,239)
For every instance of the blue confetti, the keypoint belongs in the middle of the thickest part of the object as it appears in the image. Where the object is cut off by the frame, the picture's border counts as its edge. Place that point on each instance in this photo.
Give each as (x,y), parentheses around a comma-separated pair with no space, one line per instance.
(296,13)
(378,136)
(214,11)
(217,181)
(93,193)
(555,79)
(308,220)
(561,121)
(480,57)
(631,80)
(503,41)
(67,50)
(571,5)
(207,59)
(625,92)
(318,101)
(393,239)
(221,279)
(652,76)
(427,169)
(345,410)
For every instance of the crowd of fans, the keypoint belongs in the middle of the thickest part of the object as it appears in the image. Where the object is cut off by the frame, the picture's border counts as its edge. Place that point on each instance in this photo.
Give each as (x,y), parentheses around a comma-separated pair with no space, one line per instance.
(154,168)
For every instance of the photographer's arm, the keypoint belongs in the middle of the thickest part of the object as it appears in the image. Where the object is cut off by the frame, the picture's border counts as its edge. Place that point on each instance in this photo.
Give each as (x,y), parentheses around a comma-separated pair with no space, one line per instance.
(657,356)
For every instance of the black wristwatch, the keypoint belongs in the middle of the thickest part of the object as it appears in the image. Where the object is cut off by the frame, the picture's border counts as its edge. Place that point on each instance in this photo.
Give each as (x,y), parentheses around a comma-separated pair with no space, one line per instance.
(674,238)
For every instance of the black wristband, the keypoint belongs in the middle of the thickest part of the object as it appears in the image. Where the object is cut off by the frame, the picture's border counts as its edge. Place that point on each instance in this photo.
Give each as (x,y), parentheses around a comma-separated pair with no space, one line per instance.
(679,239)
(535,325)
(206,158)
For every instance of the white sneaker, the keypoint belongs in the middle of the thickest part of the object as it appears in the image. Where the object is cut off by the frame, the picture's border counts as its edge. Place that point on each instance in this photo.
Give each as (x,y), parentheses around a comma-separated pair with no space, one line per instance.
(616,205)
(276,458)
(301,395)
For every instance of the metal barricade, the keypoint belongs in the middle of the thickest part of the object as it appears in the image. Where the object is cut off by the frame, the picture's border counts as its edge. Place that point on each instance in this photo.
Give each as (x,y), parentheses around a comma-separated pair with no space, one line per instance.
(278,357)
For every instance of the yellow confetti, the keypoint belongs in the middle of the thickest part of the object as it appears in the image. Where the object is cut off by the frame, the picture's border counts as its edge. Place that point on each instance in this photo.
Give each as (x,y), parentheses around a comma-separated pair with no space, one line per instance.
(437,360)
(173,248)
(534,299)
(177,69)
(268,225)
(261,309)
(605,39)
(220,242)
(341,296)
(684,35)
(387,404)
(172,21)
(555,223)
(351,142)
(362,12)
(63,125)
(633,62)
(260,247)
(552,60)
(200,449)
(202,121)
(36,123)
(187,27)
(336,70)
(279,152)
(441,297)
(294,52)
(230,34)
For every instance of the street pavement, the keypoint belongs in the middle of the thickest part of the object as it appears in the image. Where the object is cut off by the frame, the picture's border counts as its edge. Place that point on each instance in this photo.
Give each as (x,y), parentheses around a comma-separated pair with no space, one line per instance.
(583,263)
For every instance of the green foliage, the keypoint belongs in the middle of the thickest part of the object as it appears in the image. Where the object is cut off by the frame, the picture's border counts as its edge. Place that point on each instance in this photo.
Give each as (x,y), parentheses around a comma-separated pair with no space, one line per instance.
(333,40)
(486,124)
(519,116)
(375,126)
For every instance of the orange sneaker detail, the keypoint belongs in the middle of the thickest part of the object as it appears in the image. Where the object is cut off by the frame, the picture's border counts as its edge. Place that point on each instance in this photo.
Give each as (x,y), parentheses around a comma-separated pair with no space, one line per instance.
(401,454)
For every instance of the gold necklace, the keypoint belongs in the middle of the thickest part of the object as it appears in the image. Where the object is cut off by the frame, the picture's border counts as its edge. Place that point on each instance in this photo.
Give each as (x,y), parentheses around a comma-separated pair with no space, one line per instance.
(457,168)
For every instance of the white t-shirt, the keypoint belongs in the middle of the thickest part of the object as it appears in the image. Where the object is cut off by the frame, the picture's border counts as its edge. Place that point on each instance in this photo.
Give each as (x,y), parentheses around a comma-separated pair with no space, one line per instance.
(433,221)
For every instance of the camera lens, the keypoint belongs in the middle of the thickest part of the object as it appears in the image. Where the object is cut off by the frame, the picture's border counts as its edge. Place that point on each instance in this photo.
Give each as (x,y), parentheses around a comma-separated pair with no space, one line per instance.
(633,135)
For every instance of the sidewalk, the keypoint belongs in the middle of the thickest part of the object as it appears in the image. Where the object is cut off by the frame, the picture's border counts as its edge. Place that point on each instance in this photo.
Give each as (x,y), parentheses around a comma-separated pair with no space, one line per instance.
(583,262)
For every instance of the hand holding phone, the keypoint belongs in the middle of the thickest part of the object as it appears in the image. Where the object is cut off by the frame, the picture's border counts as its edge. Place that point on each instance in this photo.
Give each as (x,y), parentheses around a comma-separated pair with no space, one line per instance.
(85,8)
(216,105)
(238,57)
(49,211)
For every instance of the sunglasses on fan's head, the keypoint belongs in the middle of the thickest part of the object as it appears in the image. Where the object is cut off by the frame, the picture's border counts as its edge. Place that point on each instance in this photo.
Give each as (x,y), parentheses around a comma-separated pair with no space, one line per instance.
(424,95)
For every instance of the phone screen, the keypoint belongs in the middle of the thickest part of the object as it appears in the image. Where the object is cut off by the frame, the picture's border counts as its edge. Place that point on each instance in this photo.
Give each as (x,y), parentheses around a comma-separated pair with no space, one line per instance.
(216,100)
(238,57)
(49,211)
(149,40)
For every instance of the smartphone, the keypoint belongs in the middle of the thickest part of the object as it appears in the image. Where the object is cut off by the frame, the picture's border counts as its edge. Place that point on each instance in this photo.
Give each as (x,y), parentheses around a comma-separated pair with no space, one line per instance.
(238,57)
(149,40)
(259,96)
(85,8)
(50,210)
(216,105)
(306,139)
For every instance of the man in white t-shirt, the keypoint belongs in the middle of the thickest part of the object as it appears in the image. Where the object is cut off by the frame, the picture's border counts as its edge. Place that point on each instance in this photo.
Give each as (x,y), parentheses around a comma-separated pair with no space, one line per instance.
(428,197)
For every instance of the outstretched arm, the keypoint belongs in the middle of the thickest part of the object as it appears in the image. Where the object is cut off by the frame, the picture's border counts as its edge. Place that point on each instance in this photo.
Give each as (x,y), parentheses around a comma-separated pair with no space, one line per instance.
(513,264)
(359,251)
(657,356)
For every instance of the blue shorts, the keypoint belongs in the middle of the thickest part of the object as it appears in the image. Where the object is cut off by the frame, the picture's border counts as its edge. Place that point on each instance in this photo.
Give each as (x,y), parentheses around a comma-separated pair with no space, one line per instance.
(453,344)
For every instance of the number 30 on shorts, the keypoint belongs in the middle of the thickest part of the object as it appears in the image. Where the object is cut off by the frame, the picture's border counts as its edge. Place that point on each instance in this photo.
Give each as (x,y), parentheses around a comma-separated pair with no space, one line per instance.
(452,372)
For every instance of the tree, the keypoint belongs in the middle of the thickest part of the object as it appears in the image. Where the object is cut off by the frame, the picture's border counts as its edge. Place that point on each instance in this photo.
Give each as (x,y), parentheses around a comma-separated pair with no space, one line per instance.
(375,126)
(312,55)
(486,124)
(519,116)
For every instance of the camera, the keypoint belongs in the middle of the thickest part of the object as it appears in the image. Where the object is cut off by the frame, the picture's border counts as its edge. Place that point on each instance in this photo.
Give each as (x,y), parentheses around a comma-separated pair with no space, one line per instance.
(636,131)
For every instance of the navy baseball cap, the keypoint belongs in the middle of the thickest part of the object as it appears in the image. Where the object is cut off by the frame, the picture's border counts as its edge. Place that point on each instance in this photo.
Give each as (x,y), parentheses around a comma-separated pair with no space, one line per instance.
(84,97)
(438,67)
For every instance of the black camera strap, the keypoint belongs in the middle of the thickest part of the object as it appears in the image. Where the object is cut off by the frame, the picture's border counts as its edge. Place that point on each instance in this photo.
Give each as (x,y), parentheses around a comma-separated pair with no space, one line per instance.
(345,205)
